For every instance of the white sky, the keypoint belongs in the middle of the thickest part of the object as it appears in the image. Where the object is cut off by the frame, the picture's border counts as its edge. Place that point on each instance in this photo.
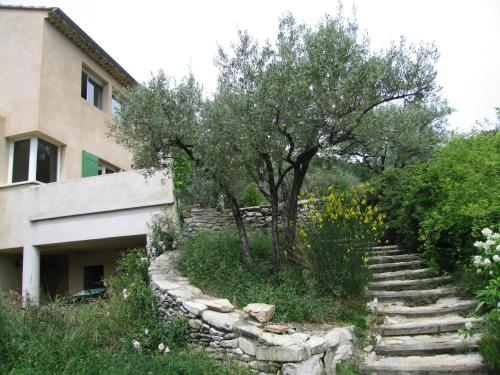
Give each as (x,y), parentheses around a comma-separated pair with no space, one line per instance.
(145,36)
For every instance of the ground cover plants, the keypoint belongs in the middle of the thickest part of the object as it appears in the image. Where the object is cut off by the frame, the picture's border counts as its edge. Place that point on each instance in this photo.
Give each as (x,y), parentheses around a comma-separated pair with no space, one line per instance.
(119,335)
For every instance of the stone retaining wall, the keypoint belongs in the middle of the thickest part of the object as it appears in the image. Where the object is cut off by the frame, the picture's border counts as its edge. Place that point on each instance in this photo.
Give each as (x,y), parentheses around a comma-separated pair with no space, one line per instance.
(212,219)
(225,331)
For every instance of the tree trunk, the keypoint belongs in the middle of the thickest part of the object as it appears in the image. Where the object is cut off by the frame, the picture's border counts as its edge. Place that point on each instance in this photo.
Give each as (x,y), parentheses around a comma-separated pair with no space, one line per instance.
(245,254)
(274,199)
(291,210)
(275,230)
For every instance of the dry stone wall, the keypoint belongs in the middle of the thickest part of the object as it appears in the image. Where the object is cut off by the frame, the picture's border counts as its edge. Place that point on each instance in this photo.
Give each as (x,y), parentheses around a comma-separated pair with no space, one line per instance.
(224,331)
(257,217)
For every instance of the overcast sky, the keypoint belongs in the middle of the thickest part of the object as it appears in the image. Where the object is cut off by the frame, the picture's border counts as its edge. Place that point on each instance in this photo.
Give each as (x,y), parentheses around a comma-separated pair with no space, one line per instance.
(145,36)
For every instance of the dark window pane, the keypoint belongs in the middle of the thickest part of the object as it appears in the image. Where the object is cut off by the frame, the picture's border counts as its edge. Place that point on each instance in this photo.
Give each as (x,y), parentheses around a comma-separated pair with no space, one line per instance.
(97,93)
(84,85)
(21,163)
(46,162)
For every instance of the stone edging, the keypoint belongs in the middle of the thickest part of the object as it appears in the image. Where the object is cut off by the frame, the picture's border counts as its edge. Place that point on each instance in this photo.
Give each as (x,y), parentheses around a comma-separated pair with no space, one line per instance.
(225,331)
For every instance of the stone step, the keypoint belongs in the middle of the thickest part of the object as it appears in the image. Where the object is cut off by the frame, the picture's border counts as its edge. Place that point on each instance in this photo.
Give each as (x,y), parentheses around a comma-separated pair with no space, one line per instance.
(396,266)
(403,274)
(443,364)
(426,344)
(389,295)
(442,306)
(391,258)
(387,252)
(419,326)
(384,247)
(412,283)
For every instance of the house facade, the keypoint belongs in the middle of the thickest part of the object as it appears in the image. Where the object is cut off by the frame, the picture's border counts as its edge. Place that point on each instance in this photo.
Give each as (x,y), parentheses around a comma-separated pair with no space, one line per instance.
(70,200)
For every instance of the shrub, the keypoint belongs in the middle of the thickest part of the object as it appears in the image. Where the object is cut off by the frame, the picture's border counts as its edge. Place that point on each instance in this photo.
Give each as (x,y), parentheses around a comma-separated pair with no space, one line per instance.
(440,207)
(338,231)
(489,346)
(252,196)
(163,235)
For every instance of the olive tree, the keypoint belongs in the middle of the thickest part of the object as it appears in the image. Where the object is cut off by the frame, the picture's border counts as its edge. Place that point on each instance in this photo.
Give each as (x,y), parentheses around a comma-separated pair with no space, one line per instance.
(309,90)
(159,120)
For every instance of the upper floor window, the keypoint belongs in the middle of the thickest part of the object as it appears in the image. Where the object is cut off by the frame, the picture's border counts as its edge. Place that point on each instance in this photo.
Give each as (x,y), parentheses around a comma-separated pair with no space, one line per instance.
(115,104)
(33,159)
(92,90)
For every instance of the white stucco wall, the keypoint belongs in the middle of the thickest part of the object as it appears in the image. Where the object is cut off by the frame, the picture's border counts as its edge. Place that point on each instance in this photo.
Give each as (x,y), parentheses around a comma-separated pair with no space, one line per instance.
(116,205)
(10,273)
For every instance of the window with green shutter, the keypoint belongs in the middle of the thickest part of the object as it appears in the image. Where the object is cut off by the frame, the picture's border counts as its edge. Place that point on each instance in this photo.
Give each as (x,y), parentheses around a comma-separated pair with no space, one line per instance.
(90,164)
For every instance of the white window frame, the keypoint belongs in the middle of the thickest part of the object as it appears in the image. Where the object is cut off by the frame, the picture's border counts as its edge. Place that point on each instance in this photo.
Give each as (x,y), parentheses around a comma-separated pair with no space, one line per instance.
(32,160)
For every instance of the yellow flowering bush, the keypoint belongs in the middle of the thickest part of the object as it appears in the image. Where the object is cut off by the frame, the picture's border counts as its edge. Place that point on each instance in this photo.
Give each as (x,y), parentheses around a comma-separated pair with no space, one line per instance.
(335,236)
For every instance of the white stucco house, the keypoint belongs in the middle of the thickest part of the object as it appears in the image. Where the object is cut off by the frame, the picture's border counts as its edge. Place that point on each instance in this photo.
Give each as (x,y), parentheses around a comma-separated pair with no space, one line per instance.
(70,200)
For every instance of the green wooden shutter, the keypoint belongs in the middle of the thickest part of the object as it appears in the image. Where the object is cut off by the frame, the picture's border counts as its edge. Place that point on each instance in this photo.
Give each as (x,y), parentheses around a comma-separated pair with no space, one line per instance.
(90,164)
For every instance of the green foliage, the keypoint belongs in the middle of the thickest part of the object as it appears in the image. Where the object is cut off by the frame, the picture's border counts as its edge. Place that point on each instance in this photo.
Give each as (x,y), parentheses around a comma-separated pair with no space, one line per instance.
(96,337)
(395,136)
(489,346)
(346,368)
(212,262)
(252,196)
(440,207)
(338,231)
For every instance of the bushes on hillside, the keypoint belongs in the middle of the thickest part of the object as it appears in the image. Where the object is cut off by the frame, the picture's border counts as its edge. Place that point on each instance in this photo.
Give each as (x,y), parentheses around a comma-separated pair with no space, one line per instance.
(440,207)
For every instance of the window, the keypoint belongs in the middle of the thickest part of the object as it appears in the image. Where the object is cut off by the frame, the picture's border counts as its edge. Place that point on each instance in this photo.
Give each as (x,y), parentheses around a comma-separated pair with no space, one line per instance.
(92,90)
(21,160)
(115,104)
(46,162)
(33,159)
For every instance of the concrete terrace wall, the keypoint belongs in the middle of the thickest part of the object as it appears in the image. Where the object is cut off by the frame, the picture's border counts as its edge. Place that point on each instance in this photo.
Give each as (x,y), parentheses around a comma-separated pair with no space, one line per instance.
(225,331)
(210,219)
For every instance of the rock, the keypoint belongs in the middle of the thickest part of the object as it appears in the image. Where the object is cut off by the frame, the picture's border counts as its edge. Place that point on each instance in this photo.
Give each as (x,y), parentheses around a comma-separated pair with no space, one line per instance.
(249,330)
(333,357)
(368,348)
(262,367)
(277,340)
(215,332)
(221,321)
(300,336)
(195,324)
(220,305)
(262,312)
(247,345)
(229,344)
(333,338)
(290,353)
(312,366)
(317,344)
(347,333)
(276,328)
(194,308)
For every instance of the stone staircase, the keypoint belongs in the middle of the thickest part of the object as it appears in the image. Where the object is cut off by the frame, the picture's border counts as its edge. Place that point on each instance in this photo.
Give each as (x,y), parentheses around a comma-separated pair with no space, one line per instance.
(422,314)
